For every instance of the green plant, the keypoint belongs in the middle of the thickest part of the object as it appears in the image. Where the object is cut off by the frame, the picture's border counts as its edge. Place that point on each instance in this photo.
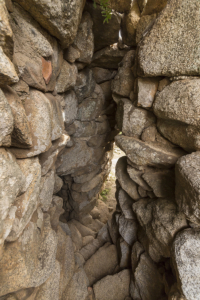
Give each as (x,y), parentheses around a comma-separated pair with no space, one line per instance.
(105,10)
(104,193)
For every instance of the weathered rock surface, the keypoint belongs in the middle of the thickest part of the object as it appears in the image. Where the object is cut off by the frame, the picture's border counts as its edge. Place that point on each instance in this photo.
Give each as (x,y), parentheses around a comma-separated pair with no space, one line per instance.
(83,46)
(12,184)
(161,220)
(58,184)
(114,287)
(56,17)
(109,57)
(6,121)
(101,75)
(102,263)
(128,185)
(67,77)
(146,283)
(27,203)
(85,84)
(186,262)
(162,182)
(87,186)
(65,256)
(135,120)
(128,229)
(8,74)
(21,135)
(105,34)
(57,117)
(126,202)
(6,36)
(92,106)
(48,158)
(179,102)
(136,176)
(50,289)
(177,25)
(143,25)
(183,135)
(123,82)
(31,45)
(188,185)
(147,88)
(76,157)
(29,261)
(39,114)
(77,288)
(46,190)
(148,154)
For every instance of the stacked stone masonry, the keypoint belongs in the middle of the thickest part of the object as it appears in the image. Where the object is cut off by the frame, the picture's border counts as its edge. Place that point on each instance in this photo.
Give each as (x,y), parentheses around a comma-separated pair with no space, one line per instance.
(71,85)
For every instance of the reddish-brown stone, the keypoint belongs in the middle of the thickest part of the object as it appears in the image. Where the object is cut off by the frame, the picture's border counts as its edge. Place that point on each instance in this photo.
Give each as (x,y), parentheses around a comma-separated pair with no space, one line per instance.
(46,70)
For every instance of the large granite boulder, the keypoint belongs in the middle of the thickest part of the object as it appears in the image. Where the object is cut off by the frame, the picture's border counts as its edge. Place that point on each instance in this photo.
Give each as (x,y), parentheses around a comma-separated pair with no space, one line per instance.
(77,288)
(135,120)
(177,106)
(12,184)
(60,19)
(102,263)
(76,157)
(31,46)
(148,154)
(160,220)
(188,186)
(29,261)
(27,203)
(185,261)
(146,281)
(115,287)
(171,46)
(183,135)
(39,114)
(179,102)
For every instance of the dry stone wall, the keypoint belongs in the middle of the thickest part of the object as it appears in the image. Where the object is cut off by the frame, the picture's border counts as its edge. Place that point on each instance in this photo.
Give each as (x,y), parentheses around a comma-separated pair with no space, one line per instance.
(156,90)
(69,83)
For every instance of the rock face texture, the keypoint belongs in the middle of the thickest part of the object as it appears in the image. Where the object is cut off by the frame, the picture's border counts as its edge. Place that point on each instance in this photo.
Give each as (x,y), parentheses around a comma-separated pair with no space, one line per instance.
(162,52)
(70,85)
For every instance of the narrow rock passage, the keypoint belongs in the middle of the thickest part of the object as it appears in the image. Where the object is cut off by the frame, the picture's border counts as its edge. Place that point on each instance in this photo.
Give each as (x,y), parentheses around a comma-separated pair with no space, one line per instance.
(99,150)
